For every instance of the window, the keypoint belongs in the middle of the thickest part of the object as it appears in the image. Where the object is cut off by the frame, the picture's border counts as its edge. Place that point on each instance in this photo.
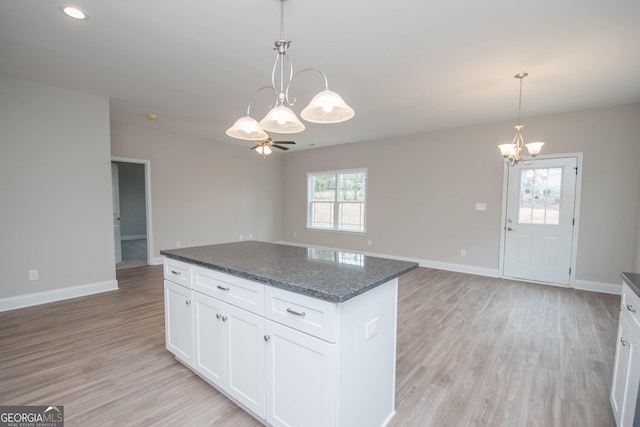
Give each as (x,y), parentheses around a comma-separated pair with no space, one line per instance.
(337,200)
(540,196)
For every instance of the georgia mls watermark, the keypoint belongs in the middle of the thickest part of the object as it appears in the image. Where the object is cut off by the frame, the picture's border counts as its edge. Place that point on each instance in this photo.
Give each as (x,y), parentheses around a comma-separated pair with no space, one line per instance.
(31,416)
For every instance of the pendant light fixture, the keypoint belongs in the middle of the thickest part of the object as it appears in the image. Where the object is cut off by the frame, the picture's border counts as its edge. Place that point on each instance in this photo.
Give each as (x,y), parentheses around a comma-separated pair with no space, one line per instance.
(514,153)
(326,107)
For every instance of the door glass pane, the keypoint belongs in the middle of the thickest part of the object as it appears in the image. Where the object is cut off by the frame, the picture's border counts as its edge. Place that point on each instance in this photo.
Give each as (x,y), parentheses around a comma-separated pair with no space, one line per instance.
(540,196)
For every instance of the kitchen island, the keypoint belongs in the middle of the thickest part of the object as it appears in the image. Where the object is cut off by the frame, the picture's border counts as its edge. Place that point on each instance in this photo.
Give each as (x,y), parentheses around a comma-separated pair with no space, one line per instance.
(296,336)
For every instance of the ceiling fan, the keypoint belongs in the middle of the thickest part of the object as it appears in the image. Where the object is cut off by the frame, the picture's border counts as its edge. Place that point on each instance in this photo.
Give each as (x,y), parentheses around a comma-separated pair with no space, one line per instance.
(264,146)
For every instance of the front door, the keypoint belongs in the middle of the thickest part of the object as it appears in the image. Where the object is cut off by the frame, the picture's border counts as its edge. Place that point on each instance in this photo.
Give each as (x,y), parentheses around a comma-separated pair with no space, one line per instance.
(540,220)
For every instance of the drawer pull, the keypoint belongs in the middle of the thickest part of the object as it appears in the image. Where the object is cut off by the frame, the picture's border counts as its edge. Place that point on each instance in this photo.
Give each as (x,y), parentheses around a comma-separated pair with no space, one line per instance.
(630,308)
(222,288)
(177,273)
(295,313)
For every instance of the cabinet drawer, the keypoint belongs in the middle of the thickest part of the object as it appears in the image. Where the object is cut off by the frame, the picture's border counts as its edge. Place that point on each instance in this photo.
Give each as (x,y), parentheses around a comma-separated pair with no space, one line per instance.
(311,315)
(233,290)
(177,272)
(631,305)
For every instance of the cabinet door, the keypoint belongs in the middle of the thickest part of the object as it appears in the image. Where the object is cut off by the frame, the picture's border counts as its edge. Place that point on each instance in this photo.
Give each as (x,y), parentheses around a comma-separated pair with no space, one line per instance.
(209,338)
(301,378)
(178,321)
(633,380)
(245,353)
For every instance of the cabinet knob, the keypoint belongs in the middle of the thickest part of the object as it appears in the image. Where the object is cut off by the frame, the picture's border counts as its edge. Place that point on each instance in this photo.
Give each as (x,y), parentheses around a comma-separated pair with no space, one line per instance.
(625,342)
(224,318)
(267,337)
(218,316)
(630,308)
(188,302)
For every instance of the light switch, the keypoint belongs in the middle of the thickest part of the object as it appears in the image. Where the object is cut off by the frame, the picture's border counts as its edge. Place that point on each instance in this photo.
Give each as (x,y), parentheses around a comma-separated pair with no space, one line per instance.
(481,206)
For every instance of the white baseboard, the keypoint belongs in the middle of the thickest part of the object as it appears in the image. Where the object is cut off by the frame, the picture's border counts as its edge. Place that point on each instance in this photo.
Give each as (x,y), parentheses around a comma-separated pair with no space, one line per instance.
(584,285)
(157,260)
(458,268)
(134,237)
(28,300)
(605,288)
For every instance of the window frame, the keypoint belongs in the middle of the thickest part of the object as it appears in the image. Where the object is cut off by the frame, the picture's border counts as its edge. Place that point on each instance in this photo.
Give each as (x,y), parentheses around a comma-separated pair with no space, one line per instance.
(335,201)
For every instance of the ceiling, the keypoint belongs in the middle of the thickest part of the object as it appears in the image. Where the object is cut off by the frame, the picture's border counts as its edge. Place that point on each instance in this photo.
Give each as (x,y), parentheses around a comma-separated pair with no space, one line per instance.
(406,67)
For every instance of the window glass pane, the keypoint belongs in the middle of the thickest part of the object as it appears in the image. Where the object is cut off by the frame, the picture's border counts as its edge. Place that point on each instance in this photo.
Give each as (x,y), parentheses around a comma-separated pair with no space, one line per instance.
(351,216)
(323,187)
(351,187)
(322,214)
(540,196)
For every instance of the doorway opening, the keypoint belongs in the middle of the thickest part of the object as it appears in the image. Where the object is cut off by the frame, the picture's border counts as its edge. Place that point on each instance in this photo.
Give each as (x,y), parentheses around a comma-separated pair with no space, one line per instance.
(133,239)
(540,218)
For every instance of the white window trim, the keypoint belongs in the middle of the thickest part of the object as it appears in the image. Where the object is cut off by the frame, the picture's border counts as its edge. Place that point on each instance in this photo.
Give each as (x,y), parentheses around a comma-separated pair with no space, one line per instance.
(337,172)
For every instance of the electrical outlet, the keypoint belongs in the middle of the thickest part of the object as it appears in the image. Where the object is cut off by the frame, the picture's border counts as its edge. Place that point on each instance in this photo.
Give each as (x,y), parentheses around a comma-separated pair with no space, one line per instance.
(241,237)
(463,252)
(371,328)
(33,274)
(369,242)
(250,236)
(295,234)
(178,244)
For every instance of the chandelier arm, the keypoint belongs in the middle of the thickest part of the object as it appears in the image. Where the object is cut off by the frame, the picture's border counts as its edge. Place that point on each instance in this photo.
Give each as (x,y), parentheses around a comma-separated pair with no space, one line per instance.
(254,95)
(273,72)
(293,76)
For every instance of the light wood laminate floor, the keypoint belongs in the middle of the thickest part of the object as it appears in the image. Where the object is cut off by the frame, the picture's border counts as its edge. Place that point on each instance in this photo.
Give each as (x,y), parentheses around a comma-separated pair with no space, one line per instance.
(472,351)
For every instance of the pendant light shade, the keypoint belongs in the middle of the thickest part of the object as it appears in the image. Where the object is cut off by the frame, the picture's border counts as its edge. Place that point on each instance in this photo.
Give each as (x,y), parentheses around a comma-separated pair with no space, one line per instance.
(281,119)
(247,128)
(327,107)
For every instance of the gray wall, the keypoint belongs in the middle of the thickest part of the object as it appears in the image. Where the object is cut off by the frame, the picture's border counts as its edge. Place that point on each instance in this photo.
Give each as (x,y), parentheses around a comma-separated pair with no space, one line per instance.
(422,190)
(133,214)
(55,187)
(204,192)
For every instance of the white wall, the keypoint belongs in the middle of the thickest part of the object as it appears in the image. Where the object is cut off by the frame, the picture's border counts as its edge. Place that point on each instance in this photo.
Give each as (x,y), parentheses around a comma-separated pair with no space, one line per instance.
(55,190)
(423,190)
(204,192)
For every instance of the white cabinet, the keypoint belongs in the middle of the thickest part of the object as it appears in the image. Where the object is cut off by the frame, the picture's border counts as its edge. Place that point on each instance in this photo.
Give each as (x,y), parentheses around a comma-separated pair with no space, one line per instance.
(178,321)
(289,359)
(301,378)
(626,372)
(229,350)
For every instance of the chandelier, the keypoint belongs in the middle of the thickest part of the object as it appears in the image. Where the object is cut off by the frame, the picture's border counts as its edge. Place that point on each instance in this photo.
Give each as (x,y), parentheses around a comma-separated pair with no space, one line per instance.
(326,106)
(514,153)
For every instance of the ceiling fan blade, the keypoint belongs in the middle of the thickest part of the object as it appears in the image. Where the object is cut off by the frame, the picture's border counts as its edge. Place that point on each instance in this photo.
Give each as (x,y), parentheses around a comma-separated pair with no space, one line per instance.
(253,148)
(284,142)
(279,146)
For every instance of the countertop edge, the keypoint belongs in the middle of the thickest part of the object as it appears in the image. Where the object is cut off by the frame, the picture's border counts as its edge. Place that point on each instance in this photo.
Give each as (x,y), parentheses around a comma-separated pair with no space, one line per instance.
(290,286)
(633,280)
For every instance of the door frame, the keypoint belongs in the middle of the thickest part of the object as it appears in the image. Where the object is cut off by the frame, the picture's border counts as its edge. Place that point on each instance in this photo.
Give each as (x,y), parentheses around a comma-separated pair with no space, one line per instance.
(576,227)
(147,196)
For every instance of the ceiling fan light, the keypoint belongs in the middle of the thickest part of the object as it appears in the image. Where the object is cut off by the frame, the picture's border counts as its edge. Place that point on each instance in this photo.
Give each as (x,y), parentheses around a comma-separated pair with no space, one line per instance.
(327,107)
(507,150)
(265,150)
(247,128)
(534,148)
(281,119)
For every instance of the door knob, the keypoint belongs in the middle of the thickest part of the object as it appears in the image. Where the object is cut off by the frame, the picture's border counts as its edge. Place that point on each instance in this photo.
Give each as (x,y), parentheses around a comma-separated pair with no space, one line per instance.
(509,229)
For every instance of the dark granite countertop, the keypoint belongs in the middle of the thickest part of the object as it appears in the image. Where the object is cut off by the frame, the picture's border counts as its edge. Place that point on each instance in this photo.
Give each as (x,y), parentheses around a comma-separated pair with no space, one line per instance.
(633,280)
(325,274)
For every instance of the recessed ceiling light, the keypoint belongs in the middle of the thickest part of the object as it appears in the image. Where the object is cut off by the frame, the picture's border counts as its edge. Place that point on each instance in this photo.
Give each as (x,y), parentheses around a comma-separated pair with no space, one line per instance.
(74,12)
